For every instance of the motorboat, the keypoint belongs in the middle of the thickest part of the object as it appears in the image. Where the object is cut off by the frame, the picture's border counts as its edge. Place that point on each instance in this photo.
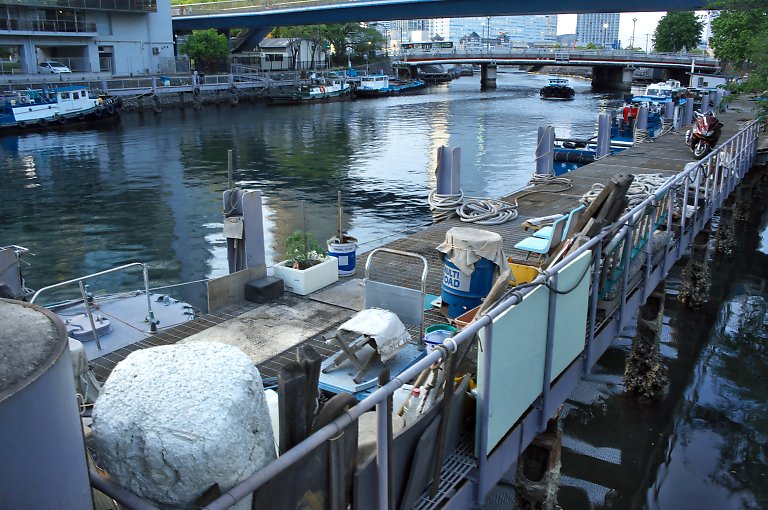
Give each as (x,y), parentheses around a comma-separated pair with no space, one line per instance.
(557,88)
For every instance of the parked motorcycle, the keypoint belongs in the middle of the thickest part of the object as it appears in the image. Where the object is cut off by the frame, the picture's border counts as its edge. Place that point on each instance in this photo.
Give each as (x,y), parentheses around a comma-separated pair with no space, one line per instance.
(706,131)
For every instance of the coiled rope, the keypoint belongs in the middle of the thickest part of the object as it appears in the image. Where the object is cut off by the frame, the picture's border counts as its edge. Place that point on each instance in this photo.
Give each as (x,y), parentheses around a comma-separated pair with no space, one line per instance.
(487,211)
(642,187)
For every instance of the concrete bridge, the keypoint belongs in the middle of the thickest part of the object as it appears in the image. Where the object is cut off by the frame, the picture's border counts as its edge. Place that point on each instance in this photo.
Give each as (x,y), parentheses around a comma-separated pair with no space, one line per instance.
(611,69)
(260,16)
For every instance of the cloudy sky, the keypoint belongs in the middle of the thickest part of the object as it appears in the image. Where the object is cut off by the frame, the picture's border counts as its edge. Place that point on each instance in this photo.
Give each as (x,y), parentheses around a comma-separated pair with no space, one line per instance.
(646,24)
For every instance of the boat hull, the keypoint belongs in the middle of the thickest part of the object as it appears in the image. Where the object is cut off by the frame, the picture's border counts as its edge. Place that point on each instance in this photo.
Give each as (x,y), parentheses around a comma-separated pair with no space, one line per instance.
(390,91)
(107,112)
(557,93)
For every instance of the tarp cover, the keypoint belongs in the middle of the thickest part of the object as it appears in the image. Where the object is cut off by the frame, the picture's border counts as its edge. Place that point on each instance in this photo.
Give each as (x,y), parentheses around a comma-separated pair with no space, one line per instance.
(384,326)
(464,246)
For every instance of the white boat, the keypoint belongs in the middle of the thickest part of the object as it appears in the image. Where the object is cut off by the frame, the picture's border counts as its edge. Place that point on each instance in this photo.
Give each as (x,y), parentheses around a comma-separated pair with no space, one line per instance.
(47,108)
(669,88)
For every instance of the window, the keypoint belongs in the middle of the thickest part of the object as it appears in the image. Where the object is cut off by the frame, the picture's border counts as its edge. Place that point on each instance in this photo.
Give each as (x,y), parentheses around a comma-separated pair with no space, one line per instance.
(75,95)
(65,95)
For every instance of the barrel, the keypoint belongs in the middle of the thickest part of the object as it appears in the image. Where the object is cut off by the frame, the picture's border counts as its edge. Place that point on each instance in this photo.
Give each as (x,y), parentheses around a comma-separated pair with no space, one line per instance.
(346,253)
(462,292)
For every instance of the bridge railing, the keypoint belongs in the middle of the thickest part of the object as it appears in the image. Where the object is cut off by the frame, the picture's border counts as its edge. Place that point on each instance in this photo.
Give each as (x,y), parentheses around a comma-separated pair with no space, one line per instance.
(249,6)
(560,55)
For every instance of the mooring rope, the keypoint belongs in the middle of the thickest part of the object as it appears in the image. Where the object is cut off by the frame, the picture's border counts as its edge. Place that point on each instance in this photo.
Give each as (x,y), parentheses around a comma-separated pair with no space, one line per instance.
(642,187)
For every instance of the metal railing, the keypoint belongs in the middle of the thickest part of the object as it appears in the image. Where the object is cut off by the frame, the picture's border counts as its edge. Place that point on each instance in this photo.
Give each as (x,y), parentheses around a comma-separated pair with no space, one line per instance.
(714,177)
(46,25)
(87,299)
(103,5)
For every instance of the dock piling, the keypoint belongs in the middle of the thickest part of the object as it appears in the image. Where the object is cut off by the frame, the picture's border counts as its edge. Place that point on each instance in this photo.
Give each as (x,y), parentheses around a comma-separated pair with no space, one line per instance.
(603,135)
(645,375)
(695,278)
(545,156)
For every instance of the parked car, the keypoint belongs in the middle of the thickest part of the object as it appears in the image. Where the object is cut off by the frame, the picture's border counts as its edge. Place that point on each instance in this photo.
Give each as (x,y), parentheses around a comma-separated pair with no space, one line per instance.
(53,67)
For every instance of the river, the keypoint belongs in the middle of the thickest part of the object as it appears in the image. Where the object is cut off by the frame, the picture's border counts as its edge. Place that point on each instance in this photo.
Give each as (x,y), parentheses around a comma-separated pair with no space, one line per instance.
(149,189)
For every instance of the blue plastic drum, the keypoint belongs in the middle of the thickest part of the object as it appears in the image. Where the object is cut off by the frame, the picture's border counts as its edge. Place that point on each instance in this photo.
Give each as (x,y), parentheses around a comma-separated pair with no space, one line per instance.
(463,292)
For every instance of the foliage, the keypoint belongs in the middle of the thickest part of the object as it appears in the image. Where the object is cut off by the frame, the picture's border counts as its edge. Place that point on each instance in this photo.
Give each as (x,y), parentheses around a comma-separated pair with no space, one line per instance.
(740,40)
(205,46)
(339,37)
(677,30)
(302,250)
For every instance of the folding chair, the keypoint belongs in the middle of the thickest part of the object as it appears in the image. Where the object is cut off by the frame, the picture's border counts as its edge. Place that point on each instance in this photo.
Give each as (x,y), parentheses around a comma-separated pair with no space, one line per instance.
(543,246)
(546,232)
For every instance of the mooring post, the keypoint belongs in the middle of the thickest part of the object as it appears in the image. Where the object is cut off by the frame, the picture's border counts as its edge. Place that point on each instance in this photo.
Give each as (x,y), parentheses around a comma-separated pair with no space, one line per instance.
(688,114)
(705,103)
(448,175)
(645,375)
(642,118)
(603,135)
(545,158)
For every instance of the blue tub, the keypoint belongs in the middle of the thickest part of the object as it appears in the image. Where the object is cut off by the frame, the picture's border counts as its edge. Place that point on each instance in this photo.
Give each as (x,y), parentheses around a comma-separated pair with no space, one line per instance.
(464,292)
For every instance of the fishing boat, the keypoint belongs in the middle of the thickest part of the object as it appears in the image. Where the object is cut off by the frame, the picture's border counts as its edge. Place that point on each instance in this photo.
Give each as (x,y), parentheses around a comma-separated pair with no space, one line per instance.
(325,90)
(557,88)
(43,109)
(669,88)
(380,85)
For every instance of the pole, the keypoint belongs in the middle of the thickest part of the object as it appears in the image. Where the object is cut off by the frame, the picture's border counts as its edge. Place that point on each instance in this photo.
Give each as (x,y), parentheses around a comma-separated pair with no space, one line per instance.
(632,41)
(341,220)
(230,169)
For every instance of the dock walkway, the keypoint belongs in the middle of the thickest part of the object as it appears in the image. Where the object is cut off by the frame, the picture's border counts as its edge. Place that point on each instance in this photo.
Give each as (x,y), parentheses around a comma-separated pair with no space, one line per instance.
(667,155)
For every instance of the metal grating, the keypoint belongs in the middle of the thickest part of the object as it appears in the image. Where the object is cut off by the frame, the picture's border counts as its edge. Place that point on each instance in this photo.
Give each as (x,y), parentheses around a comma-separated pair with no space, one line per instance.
(454,471)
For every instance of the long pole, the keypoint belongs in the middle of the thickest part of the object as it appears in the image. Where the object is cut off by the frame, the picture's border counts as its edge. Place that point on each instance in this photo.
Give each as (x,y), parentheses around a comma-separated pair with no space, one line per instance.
(341,220)
(632,41)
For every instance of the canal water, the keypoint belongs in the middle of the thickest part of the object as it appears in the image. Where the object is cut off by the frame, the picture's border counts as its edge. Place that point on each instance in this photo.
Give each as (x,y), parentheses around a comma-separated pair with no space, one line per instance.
(149,189)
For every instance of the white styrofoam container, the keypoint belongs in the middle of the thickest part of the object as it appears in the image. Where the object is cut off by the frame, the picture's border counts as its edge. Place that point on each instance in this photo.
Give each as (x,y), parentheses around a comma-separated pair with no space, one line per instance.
(306,281)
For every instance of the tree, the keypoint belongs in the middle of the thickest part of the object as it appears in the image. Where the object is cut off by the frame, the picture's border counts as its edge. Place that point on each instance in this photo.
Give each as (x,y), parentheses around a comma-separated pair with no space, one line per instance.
(205,47)
(677,30)
(740,40)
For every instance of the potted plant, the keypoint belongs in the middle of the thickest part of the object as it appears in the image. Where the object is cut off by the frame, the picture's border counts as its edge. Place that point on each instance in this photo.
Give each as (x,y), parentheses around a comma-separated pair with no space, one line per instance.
(307,267)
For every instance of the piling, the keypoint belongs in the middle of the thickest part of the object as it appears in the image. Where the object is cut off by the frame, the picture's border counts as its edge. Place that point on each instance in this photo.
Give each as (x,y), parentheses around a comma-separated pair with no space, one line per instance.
(538,470)
(695,279)
(724,239)
(603,135)
(545,156)
(645,375)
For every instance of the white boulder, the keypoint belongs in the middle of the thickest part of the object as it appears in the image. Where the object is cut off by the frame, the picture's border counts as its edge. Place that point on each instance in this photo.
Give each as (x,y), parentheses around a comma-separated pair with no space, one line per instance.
(171,421)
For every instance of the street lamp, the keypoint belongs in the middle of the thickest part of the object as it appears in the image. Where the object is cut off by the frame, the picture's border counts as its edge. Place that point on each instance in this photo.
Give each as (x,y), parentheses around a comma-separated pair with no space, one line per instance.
(632,41)
(646,43)
(605,35)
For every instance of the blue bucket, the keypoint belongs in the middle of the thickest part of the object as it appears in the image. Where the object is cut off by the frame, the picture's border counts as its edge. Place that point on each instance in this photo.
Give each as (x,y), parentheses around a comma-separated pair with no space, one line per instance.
(463,292)
(346,253)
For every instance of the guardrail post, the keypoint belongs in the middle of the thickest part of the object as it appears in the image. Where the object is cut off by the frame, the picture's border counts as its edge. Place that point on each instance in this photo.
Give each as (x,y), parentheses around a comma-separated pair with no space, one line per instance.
(482,461)
(593,298)
(547,379)
(383,446)
(626,261)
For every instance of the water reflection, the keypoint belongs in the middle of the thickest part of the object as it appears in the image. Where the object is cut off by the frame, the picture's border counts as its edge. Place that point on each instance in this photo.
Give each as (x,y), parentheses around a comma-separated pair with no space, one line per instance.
(149,189)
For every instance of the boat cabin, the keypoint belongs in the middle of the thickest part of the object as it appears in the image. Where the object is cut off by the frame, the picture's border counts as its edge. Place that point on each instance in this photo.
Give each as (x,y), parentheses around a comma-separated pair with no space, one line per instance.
(374,82)
(558,82)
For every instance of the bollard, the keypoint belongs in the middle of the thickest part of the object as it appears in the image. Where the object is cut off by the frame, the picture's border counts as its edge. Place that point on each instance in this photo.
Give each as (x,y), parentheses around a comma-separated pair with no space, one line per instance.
(717,96)
(448,174)
(688,114)
(669,111)
(603,135)
(642,118)
(544,154)
(704,103)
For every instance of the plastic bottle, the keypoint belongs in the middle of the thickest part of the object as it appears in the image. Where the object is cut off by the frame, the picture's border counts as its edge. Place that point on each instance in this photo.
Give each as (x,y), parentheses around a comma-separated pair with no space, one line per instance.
(411,410)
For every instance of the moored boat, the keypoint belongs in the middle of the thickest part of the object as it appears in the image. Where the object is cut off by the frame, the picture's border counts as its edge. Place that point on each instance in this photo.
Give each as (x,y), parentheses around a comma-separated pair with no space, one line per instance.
(557,88)
(43,109)
(326,90)
(379,85)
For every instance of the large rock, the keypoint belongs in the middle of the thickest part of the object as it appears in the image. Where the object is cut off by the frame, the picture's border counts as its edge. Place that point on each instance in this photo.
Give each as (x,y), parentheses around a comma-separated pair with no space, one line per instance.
(171,421)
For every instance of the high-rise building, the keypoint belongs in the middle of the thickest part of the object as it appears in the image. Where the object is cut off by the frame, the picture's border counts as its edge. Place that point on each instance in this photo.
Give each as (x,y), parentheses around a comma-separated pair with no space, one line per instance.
(521,30)
(600,29)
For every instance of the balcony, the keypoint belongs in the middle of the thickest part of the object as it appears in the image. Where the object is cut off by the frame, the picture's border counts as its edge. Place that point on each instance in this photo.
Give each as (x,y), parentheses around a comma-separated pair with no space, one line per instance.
(99,5)
(39,25)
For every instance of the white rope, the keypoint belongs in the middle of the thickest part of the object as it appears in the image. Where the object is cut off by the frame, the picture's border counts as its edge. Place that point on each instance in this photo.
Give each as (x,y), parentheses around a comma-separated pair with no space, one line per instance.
(486,211)
(642,187)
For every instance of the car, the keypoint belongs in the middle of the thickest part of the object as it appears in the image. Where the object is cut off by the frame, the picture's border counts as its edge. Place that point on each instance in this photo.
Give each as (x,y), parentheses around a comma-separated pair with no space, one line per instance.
(53,67)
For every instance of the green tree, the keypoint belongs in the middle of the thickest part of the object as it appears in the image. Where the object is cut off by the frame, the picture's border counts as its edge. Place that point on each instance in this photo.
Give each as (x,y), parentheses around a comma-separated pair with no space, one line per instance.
(740,40)
(315,34)
(205,47)
(677,30)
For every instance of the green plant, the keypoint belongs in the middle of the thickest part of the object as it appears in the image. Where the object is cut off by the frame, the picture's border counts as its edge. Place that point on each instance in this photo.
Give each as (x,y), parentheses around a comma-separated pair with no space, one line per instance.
(302,250)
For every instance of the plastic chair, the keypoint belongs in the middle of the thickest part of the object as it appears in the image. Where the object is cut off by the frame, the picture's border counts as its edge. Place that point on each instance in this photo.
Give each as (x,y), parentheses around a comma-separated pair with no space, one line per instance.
(546,232)
(543,246)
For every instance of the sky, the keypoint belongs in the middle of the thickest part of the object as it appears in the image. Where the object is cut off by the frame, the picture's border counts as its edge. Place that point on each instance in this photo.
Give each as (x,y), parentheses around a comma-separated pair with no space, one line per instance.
(646,24)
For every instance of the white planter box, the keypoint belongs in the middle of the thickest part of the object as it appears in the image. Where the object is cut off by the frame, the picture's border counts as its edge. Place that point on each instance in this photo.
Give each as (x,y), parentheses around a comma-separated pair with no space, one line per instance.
(306,281)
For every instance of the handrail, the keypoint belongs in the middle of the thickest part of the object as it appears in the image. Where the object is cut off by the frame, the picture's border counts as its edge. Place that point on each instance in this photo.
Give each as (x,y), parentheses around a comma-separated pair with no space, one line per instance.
(295,454)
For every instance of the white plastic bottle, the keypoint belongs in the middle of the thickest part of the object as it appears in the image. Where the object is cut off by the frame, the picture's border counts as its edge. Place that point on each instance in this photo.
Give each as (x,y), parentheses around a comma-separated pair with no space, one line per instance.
(411,411)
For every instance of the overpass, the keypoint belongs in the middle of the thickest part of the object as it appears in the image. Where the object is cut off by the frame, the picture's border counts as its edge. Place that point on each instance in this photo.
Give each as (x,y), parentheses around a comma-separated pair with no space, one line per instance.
(260,16)
(611,69)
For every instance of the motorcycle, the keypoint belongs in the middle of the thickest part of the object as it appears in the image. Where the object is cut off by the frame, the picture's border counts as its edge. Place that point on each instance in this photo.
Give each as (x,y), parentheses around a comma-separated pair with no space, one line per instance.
(706,131)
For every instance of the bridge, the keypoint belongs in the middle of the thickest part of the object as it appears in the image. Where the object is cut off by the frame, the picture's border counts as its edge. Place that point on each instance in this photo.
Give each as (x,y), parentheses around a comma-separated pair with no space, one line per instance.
(260,16)
(611,69)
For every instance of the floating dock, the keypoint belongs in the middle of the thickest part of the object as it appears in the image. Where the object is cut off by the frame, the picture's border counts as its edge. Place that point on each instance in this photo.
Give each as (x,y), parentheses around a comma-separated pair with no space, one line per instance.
(530,360)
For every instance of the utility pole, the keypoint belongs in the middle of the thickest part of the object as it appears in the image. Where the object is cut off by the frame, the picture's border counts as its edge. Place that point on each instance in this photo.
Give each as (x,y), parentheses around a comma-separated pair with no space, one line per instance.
(632,41)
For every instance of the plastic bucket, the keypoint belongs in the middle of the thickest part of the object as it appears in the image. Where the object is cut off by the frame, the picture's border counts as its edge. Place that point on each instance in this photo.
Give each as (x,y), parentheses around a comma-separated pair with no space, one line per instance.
(463,292)
(437,336)
(346,253)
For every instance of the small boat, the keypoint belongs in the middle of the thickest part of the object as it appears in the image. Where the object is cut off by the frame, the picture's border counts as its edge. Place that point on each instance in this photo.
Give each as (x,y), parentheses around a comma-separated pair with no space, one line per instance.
(325,90)
(380,85)
(669,88)
(43,109)
(557,88)
(102,323)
